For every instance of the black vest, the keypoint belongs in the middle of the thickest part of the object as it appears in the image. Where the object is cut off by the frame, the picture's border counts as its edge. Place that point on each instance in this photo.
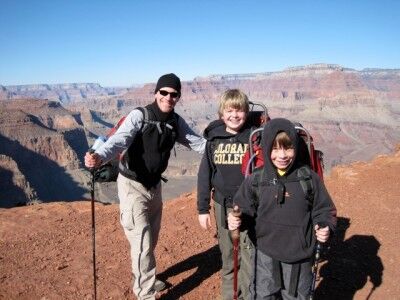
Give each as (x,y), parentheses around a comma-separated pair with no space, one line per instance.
(147,157)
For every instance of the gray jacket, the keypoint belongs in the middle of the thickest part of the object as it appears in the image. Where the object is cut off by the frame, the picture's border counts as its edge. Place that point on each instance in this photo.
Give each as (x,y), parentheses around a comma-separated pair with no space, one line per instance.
(125,135)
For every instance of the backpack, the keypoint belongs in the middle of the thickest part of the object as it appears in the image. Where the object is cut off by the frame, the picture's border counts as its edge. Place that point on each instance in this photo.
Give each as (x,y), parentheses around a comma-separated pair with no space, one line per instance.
(312,158)
(253,157)
(109,171)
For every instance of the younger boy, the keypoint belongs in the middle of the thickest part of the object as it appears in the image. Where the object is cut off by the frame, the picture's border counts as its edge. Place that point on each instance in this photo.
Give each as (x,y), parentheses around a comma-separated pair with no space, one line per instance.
(220,171)
(285,217)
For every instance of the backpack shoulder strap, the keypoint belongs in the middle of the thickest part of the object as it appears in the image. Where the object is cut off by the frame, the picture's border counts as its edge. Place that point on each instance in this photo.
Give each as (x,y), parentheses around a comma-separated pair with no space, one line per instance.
(256,185)
(303,176)
(146,120)
(305,179)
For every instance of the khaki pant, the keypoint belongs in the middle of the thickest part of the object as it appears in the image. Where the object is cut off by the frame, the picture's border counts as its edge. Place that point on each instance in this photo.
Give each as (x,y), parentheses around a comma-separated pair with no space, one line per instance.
(244,261)
(140,216)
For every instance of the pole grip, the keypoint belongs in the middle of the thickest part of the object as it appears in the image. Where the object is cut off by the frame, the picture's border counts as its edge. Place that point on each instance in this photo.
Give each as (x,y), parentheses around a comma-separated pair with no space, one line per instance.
(92,170)
(235,234)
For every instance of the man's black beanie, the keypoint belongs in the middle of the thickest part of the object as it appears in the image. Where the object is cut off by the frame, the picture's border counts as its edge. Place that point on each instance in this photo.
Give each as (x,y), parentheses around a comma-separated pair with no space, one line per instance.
(169,80)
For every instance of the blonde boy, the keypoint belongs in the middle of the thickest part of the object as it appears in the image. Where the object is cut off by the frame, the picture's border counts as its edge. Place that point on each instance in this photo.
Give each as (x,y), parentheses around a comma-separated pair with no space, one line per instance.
(220,172)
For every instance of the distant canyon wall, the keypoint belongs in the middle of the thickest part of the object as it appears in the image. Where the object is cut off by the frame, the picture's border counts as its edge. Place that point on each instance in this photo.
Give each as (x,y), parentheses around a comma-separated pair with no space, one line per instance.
(65,93)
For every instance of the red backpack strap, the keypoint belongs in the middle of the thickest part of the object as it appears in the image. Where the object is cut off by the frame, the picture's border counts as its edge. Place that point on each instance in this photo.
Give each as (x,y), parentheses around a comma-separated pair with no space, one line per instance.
(307,152)
(115,128)
(253,158)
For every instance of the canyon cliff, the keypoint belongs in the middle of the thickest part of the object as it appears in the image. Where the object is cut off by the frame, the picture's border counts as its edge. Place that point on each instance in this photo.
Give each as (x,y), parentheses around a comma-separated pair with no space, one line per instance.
(41,143)
(352,115)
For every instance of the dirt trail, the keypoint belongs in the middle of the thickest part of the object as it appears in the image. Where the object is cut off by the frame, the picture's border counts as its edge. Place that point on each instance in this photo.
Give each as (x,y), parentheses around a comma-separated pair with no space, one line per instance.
(46,250)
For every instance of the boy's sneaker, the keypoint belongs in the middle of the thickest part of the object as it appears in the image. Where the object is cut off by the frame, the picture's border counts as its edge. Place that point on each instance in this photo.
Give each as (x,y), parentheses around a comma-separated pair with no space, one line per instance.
(159,285)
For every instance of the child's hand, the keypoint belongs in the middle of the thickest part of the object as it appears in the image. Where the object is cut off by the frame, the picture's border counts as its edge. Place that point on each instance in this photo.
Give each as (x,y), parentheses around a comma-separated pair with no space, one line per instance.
(205,221)
(233,221)
(322,233)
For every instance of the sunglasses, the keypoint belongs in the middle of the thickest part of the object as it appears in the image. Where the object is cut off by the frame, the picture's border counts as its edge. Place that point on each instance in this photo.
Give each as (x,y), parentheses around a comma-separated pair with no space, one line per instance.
(165,93)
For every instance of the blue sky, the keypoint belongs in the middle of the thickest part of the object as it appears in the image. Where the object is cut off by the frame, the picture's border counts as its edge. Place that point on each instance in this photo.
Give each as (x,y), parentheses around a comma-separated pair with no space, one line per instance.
(121,43)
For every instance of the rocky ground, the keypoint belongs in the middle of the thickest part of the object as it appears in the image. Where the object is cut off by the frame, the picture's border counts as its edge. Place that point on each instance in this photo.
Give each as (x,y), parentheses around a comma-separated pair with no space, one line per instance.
(46,249)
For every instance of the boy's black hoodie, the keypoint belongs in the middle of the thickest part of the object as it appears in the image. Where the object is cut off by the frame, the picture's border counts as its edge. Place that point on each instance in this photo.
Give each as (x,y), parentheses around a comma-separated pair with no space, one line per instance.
(220,167)
(284,227)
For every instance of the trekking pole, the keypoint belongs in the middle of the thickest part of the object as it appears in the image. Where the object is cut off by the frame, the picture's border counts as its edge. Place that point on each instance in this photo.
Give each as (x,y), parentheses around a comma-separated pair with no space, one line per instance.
(97,143)
(92,171)
(235,235)
(314,269)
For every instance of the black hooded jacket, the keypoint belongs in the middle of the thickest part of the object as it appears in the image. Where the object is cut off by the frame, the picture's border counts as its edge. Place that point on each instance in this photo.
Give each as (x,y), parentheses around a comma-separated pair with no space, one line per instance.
(284,222)
(220,167)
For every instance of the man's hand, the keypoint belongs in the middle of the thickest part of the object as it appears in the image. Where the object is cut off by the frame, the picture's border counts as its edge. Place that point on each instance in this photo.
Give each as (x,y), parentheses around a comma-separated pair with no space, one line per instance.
(92,160)
(322,233)
(205,221)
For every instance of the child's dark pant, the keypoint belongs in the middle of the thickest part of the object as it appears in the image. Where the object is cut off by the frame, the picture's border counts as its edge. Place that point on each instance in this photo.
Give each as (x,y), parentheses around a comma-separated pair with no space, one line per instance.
(272,280)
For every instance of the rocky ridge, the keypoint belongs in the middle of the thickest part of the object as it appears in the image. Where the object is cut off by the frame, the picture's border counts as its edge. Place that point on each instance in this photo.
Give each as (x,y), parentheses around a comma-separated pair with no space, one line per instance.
(294,83)
(352,115)
(65,93)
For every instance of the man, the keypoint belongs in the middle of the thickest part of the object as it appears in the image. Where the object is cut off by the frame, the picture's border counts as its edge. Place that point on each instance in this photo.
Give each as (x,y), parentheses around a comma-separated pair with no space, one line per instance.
(146,147)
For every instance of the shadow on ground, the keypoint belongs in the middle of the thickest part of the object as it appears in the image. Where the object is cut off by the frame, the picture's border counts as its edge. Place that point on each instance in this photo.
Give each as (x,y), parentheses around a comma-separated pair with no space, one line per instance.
(206,264)
(350,264)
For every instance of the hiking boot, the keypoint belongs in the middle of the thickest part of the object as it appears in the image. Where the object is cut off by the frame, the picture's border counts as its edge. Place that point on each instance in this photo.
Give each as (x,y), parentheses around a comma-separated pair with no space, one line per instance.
(159,285)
